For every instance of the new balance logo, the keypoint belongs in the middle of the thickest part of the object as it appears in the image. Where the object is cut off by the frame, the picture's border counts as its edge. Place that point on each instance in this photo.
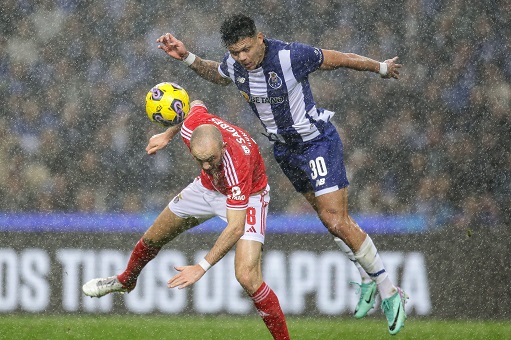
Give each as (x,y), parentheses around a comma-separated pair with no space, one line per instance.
(320,181)
(251,230)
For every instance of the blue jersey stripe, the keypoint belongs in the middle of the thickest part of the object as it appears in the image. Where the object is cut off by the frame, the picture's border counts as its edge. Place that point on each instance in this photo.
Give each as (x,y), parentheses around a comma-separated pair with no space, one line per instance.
(276,87)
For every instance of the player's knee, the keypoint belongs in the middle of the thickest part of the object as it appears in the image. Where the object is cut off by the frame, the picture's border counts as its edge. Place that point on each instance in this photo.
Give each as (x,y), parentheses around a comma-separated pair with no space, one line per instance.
(245,277)
(154,242)
(333,217)
(335,222)
(249,279)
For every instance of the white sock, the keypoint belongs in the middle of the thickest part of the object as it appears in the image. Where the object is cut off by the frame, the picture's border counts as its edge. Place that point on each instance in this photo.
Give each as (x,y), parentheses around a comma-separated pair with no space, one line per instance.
(364,277)
(386,288)
(370,260)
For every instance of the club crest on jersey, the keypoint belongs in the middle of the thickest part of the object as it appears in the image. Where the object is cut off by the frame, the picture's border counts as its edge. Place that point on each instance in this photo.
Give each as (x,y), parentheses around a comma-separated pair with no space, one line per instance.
(274,80)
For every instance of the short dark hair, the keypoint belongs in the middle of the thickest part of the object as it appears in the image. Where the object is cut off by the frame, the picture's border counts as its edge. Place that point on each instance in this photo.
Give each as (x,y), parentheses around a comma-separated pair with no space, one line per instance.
(237,27)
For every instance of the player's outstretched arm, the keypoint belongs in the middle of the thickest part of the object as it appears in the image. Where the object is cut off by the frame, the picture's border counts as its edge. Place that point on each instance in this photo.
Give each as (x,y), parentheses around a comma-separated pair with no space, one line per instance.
(335,59)
(188,275)
(160,140)
(207,69)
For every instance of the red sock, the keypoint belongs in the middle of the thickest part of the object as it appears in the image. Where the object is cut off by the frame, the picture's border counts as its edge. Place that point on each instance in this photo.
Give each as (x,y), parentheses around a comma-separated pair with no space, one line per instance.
(268,306)
(141,255)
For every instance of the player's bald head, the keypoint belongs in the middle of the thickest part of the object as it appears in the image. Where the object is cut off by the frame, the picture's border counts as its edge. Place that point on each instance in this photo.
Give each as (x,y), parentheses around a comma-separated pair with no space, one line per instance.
(206,134)
(206,141)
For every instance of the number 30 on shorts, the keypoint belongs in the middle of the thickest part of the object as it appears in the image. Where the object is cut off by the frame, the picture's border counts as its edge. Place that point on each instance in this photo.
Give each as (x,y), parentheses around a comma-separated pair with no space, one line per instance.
(318,167)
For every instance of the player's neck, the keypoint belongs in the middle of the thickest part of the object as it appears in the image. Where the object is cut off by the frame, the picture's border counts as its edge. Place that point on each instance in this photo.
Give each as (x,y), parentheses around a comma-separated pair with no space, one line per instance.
(265,49)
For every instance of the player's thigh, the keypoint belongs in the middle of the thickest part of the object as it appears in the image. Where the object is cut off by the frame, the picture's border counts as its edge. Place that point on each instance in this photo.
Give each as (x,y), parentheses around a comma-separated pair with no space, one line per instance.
(248,255)
(196,201)
(167,226)
(186,210)
(247,262)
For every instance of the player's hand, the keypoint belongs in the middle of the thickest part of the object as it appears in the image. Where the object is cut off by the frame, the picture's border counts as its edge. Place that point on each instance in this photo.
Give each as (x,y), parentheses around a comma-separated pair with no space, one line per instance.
(392,68)
(173,47)
(157,142)
(187,276)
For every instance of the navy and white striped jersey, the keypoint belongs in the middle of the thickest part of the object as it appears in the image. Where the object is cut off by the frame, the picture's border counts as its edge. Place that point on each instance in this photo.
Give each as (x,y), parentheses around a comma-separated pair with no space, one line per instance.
(278,91)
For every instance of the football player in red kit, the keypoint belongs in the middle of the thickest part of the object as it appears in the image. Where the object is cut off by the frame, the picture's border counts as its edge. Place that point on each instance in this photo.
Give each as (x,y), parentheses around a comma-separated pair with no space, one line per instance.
(233,186)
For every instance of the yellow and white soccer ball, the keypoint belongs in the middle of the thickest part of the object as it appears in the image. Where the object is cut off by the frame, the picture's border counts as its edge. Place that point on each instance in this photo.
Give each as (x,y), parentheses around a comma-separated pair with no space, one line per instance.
(167,104)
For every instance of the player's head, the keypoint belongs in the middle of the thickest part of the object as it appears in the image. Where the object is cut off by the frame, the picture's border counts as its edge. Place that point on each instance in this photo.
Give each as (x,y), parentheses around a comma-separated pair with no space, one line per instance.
(245,44)
(207,147)
(237,27)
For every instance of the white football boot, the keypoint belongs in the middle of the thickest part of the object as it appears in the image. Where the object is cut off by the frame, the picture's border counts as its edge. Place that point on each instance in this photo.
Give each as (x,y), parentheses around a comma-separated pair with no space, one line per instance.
(102,286)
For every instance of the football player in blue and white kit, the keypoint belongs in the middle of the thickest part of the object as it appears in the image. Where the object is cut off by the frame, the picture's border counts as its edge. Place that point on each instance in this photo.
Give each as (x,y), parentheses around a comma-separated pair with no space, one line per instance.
(272,75)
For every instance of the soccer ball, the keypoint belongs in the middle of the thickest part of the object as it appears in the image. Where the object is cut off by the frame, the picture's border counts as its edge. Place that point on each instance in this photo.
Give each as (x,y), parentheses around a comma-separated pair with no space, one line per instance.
(167,104)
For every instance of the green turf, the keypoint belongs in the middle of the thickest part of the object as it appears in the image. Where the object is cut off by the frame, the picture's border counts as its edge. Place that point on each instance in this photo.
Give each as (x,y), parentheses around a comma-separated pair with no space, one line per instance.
(228,327)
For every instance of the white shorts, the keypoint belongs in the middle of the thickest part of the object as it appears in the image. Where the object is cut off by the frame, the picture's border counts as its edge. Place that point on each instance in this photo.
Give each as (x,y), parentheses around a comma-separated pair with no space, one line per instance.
(197,201)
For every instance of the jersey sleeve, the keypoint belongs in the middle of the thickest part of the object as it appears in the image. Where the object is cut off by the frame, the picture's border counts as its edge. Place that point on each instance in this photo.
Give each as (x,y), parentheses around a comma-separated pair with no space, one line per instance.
(305,59)
(223,68)
(198,108)
(191,122)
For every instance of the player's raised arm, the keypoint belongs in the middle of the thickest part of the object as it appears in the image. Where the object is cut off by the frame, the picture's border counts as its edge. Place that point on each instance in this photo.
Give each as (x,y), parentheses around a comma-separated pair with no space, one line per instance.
(335,59)
(188,275)
(207,69)
(160,140)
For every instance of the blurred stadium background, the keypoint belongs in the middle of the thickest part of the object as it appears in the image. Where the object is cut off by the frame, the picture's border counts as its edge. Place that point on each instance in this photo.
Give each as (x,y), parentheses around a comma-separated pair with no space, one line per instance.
(428,156)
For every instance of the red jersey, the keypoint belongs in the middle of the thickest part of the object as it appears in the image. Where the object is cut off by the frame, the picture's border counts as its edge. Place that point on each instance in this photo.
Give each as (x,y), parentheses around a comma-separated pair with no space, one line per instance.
(243,171)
